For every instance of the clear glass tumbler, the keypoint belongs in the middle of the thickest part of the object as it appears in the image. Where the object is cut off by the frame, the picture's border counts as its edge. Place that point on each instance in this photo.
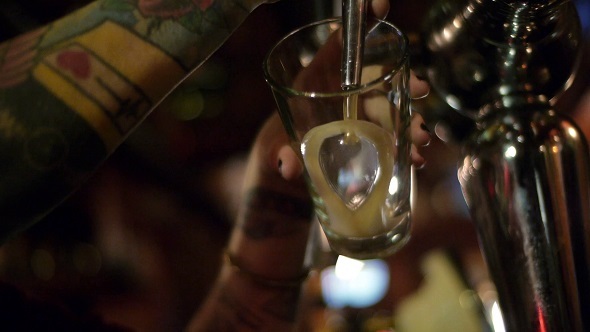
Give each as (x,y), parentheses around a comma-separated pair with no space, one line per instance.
(354,143)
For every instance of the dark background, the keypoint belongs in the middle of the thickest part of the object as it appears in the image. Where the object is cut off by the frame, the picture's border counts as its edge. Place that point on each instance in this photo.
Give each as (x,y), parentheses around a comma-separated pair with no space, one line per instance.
(141,242)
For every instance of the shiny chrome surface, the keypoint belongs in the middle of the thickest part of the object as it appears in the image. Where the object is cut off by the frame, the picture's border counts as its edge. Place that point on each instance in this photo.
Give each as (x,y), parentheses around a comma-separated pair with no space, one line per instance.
(525,178)
(354,21)
(480,50)
(525,170)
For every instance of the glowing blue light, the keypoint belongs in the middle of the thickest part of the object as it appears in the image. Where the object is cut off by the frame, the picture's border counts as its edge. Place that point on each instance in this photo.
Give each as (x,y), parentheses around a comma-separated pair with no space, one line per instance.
(363,288)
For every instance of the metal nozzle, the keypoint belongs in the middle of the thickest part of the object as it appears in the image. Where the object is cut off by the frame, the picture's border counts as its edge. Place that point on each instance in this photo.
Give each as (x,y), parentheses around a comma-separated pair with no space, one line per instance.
(354,14)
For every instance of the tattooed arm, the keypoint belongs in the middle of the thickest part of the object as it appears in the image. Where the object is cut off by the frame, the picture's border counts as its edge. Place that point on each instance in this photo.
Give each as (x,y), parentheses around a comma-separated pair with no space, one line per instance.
(268,240)
(258,288)
(72,91)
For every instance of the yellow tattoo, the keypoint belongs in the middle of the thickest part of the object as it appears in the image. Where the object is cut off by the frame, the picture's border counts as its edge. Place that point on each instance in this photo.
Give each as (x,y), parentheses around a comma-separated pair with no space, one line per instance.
(112,93)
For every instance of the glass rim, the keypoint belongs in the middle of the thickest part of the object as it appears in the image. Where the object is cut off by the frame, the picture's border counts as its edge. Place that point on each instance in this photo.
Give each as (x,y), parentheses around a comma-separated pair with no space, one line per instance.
(358,90)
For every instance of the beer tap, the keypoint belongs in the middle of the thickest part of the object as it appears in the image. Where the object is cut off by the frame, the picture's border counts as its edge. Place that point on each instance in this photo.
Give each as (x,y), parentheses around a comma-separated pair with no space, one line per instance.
(525,168)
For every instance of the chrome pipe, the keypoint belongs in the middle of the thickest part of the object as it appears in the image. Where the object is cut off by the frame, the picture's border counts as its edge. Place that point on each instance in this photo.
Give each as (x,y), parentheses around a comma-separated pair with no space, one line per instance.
(525,178)
(525,168)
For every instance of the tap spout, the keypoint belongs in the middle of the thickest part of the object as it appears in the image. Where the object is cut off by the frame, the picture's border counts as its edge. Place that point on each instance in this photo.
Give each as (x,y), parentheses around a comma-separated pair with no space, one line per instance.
(525,168)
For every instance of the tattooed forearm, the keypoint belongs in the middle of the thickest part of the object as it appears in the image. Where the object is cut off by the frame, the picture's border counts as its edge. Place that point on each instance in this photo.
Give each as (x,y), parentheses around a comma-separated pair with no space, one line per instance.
(187,30)
(238,304)
(273,214)
(46,152)
(265,263)
(280,303)
(71,92)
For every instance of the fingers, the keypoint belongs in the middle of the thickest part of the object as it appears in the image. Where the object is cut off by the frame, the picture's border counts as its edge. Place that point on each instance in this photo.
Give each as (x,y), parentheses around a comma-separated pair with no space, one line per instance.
(420,137)
(420,133)
(417,160)
(284,159)
(419,88)
(277,156)
(379,8)
(289,164)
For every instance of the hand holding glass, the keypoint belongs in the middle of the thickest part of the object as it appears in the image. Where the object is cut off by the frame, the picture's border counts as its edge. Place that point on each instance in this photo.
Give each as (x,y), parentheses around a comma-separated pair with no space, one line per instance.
(354,143)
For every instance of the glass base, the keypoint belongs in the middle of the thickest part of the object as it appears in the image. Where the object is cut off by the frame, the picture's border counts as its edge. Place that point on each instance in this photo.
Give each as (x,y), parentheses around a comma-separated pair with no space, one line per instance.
(379,246)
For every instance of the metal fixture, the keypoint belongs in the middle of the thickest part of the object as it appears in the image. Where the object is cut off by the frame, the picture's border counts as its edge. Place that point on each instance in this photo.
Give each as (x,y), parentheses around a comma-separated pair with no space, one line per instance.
(525,169)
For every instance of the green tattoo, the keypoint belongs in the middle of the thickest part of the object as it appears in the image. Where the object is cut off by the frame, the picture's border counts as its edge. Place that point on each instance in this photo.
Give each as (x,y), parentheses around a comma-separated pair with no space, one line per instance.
(72,91)
(46,154)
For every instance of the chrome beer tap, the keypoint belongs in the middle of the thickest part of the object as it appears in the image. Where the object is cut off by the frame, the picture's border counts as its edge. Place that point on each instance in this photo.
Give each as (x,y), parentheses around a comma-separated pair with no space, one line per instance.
(525,169)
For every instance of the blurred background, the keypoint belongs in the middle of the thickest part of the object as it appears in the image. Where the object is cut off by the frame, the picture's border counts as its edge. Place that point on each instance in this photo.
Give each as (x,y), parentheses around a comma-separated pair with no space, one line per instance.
(140,244)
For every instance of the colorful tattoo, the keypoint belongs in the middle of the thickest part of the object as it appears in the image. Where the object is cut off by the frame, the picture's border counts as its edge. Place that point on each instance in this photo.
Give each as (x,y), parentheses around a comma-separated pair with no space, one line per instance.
(114,60)
(188,13)
(47,151)
(17,58)
(72,91)
(110,92)
(198,27)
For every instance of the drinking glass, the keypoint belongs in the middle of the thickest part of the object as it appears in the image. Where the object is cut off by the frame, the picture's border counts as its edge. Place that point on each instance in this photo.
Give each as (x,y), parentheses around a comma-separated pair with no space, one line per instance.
(354,142)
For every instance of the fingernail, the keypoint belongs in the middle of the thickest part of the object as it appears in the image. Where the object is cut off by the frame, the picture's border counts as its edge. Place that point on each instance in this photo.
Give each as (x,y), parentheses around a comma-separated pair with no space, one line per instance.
(424,127)
(422,96)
